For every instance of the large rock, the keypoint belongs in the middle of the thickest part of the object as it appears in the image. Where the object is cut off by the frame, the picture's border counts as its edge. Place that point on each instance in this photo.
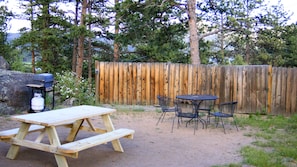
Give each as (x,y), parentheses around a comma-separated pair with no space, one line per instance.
(3,63)
(15,96)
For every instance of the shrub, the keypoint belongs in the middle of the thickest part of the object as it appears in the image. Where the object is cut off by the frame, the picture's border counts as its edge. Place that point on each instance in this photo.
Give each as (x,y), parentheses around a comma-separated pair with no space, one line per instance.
(68,87)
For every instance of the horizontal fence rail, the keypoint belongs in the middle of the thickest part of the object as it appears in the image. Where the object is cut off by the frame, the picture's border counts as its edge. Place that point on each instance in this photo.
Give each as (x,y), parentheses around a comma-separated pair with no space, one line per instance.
(258,89)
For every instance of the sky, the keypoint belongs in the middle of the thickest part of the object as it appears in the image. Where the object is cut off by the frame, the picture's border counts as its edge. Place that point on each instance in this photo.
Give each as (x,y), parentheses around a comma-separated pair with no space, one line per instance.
(15,25)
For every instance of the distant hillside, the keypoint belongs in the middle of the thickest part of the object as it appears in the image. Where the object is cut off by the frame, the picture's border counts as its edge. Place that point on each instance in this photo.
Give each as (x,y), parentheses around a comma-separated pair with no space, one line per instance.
(12,36)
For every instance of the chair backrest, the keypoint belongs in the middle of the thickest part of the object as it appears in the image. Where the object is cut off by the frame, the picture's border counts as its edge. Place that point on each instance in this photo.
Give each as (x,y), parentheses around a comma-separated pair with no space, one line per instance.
(182,107)
(164,102)
(177,106)
(207,105)
(228,107)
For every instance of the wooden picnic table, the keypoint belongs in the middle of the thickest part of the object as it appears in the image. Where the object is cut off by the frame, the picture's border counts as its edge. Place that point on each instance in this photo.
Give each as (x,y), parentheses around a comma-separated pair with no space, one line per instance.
(73,117)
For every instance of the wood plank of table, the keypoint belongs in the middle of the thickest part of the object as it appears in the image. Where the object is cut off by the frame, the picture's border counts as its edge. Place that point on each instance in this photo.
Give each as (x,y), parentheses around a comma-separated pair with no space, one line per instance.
(63,116)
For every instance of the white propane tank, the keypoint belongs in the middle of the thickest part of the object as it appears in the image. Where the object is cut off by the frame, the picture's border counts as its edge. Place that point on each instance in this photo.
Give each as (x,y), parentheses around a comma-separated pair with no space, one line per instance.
(37,102)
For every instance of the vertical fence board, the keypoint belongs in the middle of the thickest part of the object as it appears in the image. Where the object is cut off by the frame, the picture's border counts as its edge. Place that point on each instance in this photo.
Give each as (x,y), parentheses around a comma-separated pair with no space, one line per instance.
(203,80)
(107,80)
(262,88)
(244,89)
(134,83)
(217,86)
(269,89)
(147,85)
(152,85)
(190,80)
(116,82)
(235,84)
(111,82)
(213,85)
(172,88)
(130,89)
(222,84)
(195,79)
(157,80)
(278,90)
(288,90)
(177,80)
(161,74)
(138,83)
(252,77)
(199,80)
(125,84)
(101,82)
(122,72)
(239,90)
(182,79)
(294,92)
(273,90)
(97,80)
(283,89)
(166,79)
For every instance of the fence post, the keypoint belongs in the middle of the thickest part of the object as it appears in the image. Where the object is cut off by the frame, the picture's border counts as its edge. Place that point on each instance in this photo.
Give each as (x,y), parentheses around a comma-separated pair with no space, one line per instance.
(97,82)
(269,93)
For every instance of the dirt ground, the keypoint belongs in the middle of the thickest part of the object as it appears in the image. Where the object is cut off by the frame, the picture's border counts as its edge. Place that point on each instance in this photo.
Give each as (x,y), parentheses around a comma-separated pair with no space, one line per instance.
(152,145)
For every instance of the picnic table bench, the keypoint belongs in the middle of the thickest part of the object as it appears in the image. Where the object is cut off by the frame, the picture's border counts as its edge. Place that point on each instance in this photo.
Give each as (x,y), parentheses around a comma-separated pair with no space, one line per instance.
(73,118)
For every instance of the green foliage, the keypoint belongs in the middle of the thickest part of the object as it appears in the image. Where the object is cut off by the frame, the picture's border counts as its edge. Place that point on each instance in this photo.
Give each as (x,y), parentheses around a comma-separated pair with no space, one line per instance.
(49,37)
(276,144)
(68,86)
(5,16)
(248,32)
(149,28)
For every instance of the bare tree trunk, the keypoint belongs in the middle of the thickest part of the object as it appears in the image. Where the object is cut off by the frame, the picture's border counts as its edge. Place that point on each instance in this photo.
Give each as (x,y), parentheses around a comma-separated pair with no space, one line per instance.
(74,52)
(45,45)
(247,48)
(116,31)
(79,66)
(90,50)
(32,44)
(194,41)
(222,36)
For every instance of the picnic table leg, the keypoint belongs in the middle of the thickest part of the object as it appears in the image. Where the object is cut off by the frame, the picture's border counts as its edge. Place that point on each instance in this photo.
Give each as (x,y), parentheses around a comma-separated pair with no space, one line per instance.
(55,141)
(14,149)
(109,127)
(74,130)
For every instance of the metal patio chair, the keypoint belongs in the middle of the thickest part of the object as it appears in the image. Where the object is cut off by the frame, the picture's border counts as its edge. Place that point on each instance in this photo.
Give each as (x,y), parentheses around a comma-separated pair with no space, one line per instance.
(164,103)
(184,110)
(226,110)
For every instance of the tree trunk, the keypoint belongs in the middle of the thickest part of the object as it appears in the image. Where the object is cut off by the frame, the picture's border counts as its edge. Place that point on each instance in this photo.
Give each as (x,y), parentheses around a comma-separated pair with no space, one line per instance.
(194,41)
(222,36)
(32,44)
(79,65)
(74,52)
(90,50)
(116,31)
(45,46)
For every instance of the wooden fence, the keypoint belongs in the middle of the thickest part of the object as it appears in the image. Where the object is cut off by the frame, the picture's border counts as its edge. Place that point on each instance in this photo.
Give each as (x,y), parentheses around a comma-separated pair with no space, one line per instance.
(256,88)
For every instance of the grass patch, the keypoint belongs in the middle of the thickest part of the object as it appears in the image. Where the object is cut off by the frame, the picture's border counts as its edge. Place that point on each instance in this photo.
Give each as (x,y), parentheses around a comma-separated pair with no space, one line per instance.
(122,108)
(276,141)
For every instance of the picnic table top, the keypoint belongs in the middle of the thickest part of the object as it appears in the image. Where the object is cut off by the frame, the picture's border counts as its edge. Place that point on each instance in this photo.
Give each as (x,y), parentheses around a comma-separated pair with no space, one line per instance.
(62,116)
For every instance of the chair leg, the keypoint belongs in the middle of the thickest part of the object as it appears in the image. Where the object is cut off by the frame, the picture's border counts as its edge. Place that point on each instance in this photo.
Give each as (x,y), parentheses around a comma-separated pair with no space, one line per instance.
(217,121)
(172,125)
(235,124)
(162,115)
(196,125)
(208,119)
(223,124)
